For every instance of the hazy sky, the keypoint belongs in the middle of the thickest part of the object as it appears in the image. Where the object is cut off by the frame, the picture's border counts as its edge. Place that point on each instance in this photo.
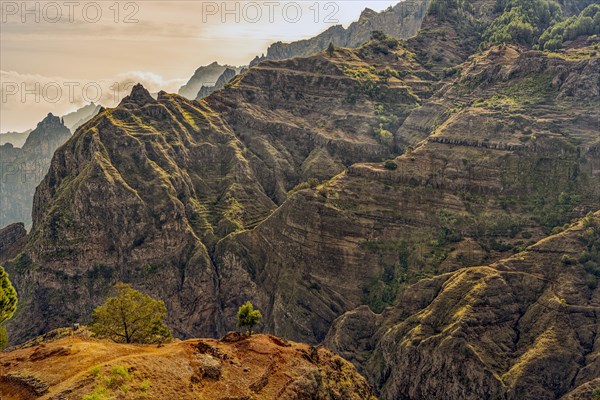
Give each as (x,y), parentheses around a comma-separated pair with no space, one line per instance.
(57,48)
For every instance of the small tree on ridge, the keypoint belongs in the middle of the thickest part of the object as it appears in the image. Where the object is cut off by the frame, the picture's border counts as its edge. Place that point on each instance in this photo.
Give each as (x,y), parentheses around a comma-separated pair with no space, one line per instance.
(248,317)
(131,317)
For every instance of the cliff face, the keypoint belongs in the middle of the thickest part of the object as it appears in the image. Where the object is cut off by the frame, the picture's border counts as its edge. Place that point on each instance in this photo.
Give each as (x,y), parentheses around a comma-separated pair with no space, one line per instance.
(494,160)
(23,168)
(523,327)
(143,192)
(401,21)
(259,367)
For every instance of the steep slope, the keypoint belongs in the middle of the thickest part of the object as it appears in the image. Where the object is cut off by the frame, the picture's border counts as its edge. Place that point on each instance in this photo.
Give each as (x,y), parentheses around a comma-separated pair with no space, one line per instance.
(143,192)
(23,169)
(499,156)
(524,327)
(259,367)
(400,21)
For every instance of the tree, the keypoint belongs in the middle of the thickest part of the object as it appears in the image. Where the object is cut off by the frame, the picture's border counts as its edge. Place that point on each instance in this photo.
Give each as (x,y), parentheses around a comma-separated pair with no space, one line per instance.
(330,49)
(248,316)
(8,305)
(8,297)
(131,317)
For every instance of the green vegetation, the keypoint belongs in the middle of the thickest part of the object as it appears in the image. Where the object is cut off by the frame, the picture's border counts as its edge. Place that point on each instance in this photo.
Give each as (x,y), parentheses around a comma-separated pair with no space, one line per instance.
(539,23)
(590,257)
(586,23)
(115,383)
(248,317)
(8,305)
(8,297)
(521,21)
(131,317)
(383,290)
(390,164)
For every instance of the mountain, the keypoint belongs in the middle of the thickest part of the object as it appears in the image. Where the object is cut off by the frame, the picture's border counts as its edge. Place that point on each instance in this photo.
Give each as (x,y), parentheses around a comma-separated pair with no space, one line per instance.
(422,206)
(80,116)
(17,139)
(400,21)
(259,367)
(524,327)
(225,77)
(175,177)
(204,76)
(24,168)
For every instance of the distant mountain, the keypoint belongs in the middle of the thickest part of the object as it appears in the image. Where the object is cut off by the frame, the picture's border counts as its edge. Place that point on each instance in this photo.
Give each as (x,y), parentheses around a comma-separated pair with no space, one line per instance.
(400,21)
(24,168)
(225,77)
(17,139)
(204,76)
(79,117)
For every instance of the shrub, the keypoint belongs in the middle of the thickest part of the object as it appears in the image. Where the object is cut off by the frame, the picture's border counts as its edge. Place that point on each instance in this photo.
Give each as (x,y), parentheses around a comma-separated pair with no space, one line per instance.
(567,259)
(390,164)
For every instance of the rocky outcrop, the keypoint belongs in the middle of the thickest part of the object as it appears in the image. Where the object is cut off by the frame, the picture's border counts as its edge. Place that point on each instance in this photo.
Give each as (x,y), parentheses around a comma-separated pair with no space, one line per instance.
(523,327)
(400,21)
(204,76)
(259,366)
(24,168)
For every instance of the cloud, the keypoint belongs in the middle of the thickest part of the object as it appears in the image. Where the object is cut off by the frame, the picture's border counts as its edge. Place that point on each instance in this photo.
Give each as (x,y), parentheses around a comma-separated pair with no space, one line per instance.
(27,98)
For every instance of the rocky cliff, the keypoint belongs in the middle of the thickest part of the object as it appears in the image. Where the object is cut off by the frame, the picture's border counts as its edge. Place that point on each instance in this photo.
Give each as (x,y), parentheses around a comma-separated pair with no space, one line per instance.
(383,177)
(525,327)
(23,168)
(258,367)
(400,21)
(143,192)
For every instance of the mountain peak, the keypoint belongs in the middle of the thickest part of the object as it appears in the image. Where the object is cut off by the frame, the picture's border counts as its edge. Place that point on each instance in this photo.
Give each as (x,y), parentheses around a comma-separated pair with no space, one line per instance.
(139,95)
(51,120)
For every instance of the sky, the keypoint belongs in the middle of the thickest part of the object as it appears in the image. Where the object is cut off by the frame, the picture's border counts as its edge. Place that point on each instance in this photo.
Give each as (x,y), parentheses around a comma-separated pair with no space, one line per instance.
(56,56)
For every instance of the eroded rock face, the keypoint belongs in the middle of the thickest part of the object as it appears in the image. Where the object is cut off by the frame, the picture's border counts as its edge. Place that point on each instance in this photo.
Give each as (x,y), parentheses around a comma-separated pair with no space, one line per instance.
(23,168)
(400,21)
(143,192)
(483,181)
(523,327)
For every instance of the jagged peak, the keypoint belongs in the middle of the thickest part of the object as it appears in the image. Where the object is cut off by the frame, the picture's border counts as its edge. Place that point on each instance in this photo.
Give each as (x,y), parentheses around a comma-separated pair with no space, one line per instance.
(366,13)
(51,119)
(139,95)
